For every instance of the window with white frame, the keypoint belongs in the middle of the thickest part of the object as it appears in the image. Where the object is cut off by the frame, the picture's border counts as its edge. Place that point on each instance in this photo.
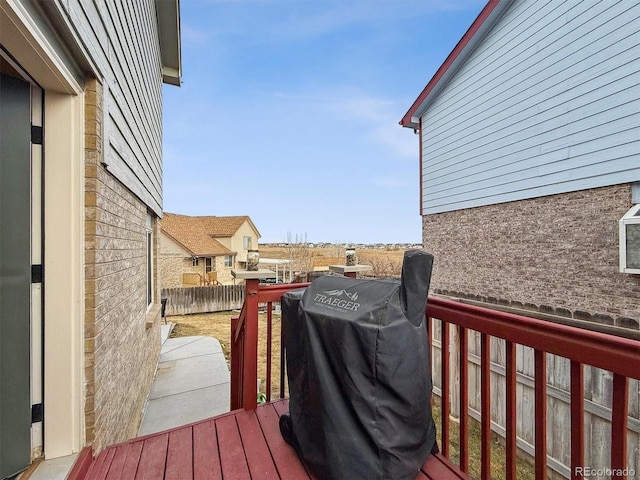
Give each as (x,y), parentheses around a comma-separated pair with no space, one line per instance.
(246,243)
(630,241)
(194,261)
(228,260)
(149,255)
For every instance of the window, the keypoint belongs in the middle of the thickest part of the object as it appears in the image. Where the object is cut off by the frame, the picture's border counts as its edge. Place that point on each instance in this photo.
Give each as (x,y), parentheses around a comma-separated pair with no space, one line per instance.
(194,261)
(209,265)
(228,260)
(149,255)
(630,241)
(246,243)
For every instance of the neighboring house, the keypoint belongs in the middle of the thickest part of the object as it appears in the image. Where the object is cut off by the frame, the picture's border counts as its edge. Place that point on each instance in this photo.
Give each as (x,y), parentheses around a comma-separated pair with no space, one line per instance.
(80,198)
(529,157)
(203,250)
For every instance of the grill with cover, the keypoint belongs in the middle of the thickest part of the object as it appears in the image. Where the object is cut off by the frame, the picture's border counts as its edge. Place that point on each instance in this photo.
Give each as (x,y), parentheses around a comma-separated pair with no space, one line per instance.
(359,373)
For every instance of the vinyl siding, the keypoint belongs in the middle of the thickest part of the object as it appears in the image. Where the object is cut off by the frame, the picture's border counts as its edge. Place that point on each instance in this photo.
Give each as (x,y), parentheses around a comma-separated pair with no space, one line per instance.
(548,103)
(122,39)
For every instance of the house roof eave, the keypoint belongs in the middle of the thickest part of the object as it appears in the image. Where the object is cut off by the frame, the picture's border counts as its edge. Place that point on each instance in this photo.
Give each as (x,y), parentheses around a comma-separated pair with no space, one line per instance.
(168,18)
(162,230)
(491,12)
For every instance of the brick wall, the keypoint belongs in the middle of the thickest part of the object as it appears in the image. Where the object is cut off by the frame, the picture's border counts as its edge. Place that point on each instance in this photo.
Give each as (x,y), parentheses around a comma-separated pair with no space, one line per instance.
(556,255)
(174,261)
(122,338)
(224,273)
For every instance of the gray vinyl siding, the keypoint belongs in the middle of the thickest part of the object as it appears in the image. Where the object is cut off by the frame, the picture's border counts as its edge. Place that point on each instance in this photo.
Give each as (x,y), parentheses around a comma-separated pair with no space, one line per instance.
(549,102)
(122,39)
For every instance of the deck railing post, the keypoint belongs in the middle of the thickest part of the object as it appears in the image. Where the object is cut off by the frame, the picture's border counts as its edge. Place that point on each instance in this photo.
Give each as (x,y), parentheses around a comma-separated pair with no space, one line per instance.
(236,366)
(445,409)
(540,407)
(485,406)
(250,353)
(619,419)
(577,420)
(464,399)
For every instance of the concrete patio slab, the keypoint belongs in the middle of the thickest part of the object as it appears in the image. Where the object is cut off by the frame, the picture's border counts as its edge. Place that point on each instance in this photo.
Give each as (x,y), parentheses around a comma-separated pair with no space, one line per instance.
(194,346)
(191,384)
(184,408)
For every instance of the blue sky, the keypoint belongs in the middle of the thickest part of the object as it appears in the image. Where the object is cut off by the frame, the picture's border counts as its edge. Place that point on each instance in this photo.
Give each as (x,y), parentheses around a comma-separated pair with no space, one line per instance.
(289,113)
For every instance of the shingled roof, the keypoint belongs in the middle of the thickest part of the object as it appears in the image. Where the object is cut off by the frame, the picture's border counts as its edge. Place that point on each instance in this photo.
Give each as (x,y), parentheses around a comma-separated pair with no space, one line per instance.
(197,234)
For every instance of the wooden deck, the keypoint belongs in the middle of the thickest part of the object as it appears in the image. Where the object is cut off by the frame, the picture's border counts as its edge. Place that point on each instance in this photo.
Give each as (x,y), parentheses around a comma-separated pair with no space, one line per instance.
(238,445)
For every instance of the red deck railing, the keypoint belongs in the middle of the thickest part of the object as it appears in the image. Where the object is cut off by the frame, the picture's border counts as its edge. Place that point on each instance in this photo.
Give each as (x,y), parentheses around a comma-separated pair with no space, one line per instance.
(621,356)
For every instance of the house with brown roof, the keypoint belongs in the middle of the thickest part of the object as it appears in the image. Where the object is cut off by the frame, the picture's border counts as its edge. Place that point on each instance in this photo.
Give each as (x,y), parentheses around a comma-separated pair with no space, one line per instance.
(203,250)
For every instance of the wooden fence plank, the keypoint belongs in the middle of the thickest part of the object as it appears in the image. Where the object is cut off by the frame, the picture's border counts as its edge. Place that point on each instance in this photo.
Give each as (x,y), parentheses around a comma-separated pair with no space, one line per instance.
(216,298)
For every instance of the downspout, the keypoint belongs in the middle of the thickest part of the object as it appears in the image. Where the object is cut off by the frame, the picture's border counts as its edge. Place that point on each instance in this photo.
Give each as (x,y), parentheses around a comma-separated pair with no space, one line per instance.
(420,164)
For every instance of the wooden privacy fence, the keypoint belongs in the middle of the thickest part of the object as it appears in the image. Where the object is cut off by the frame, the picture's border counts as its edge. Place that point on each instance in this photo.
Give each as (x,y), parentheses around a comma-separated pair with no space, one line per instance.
(597,391)
(217,298)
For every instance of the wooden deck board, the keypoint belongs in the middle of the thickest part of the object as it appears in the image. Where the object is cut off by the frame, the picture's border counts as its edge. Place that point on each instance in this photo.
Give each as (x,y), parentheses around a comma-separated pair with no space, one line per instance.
(437,467)
(102,468)
(255,446)
(238,445)
(118,461)
(285,457)
(206,462)
(153,458)
(133,459)
(180,455)
(232,455)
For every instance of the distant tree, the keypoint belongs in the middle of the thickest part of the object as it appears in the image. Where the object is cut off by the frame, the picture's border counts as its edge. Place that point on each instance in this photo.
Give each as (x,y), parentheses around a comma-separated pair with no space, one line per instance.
(337,249)
(298,250)
(381,266)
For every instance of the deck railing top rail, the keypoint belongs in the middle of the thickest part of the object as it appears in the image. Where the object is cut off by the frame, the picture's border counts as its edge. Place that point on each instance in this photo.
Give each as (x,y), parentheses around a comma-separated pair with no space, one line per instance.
(617,354)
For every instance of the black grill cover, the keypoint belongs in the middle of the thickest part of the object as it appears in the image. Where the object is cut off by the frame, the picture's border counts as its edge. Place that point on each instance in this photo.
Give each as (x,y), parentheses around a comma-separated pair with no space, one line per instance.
(359,374)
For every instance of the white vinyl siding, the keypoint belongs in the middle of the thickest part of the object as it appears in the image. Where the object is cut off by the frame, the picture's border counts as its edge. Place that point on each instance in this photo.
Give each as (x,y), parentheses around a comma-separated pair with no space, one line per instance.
(123,40)
(548,103)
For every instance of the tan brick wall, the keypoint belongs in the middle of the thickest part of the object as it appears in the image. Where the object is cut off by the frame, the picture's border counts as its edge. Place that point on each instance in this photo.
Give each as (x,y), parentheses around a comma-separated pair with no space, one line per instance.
(224,273)
(556,254)
(122,339)
(174,261)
